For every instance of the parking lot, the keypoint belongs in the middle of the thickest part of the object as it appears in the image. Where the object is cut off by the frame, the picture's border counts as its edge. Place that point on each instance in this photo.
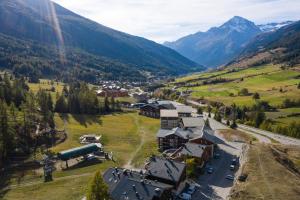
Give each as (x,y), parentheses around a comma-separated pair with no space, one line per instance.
(215,185)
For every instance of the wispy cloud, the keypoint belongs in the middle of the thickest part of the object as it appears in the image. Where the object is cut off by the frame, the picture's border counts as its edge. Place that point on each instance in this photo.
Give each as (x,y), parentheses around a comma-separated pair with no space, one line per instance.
(167,20)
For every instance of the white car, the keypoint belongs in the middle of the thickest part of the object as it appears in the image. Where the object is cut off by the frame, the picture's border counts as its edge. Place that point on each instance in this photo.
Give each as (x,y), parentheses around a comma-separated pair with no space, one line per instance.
(90,157)
(232,167)
(185,196)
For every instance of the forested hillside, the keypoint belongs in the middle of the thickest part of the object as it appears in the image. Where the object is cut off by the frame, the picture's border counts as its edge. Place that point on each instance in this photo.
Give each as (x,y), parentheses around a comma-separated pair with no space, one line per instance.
(27,118)
(84,43)
(28,58)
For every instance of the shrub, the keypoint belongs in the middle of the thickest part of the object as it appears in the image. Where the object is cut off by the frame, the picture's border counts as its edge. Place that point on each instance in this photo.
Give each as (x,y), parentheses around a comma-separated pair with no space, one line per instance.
(243,92)
(233,125)
(256,96)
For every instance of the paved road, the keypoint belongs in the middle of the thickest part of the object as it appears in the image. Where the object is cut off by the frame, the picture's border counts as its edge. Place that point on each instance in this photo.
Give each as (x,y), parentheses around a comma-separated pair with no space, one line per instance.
(262,135)
(216,186)
(195,103)
(280,138)
(260,138)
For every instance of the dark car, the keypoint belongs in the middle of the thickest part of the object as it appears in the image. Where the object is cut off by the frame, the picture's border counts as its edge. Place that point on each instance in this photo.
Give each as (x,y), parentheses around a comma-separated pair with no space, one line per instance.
(210,170)
(216,155)
(243,177)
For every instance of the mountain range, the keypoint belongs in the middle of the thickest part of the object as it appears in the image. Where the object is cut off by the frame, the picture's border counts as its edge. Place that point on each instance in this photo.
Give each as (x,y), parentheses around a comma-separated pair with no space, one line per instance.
(50,26)
(277,46)
(220,45)
(273,26)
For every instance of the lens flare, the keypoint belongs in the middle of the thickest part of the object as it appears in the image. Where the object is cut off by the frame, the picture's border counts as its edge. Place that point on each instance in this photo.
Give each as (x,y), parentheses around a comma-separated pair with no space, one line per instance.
(58,32)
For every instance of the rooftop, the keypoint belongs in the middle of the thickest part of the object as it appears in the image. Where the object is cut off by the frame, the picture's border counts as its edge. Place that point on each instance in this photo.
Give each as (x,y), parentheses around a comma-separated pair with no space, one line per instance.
(166,169)
(192,122)
(193,150)
(128,184)
(183,133)
(184,109)
(168,113)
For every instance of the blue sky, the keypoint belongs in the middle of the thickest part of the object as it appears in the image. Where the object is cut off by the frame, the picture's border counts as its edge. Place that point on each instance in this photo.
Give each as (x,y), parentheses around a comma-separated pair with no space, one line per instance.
(168,20)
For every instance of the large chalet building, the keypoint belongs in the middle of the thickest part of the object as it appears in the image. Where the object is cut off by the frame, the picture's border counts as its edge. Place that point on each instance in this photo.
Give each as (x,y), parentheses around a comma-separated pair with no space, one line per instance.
(160,178)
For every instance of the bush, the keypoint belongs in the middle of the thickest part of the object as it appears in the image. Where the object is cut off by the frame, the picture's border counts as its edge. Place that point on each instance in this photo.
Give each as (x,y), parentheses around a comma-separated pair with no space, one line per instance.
(256,96)
(233,125)
(191,167)
(199,111)
(243,92)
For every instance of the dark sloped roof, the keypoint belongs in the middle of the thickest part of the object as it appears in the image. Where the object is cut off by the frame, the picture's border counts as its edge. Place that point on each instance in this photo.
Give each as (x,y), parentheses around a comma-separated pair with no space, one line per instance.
(126,184)
(193,150)
(183,133)
(165,169)
(138,189)
(151,105)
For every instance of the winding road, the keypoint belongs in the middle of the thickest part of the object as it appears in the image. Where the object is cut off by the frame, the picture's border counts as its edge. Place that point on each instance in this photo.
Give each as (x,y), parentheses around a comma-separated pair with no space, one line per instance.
(262,135)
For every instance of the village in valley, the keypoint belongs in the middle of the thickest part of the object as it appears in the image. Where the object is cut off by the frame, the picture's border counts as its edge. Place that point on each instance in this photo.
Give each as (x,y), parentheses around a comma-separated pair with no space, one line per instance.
(186,152)
(149,100)
(191,156)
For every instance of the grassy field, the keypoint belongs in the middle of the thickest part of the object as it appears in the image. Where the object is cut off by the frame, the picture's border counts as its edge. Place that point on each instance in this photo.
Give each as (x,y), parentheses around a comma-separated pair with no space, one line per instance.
(236,135)
(122,134)
(46,84)
(267,178)
(271,82)
(266,80)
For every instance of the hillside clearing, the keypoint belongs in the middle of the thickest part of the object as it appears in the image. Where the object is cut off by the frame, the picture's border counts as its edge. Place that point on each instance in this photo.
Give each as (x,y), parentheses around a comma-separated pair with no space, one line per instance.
(120,135)
(267,178)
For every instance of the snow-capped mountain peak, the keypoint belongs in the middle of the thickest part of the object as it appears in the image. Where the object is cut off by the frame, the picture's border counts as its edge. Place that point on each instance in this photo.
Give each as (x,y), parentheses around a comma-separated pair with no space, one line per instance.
(273,26)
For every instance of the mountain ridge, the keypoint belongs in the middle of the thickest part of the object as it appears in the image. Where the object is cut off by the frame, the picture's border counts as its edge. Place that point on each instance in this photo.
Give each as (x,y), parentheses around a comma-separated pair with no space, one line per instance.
(218,45)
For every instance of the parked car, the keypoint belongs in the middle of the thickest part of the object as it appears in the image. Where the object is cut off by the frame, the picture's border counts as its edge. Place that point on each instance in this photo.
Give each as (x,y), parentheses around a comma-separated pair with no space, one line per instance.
(185,196)
(87,139)
(90,157)
(210,170)
(234,161)
(191,189)
(216,155)
(243,177)
(230,177)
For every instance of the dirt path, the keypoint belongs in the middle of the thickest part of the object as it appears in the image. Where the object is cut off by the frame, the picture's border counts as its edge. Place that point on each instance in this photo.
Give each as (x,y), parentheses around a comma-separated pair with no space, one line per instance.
(141,131)
(41,182)
(262,170)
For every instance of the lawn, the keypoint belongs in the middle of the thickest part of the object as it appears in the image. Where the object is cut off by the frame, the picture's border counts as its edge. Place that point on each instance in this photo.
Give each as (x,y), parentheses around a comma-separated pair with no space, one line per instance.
(121,133)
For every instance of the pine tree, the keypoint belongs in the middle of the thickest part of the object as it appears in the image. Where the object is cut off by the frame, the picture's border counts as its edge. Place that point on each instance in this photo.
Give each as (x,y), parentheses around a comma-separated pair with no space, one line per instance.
(97,189)
(259,118)
(199,111)
(61,105)
(7,132)
(207,124)
(113,104)
(106,105)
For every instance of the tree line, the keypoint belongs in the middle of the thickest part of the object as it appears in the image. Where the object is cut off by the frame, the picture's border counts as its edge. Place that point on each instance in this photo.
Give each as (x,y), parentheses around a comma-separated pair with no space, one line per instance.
(79,98)
(23,113)
(255,116)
